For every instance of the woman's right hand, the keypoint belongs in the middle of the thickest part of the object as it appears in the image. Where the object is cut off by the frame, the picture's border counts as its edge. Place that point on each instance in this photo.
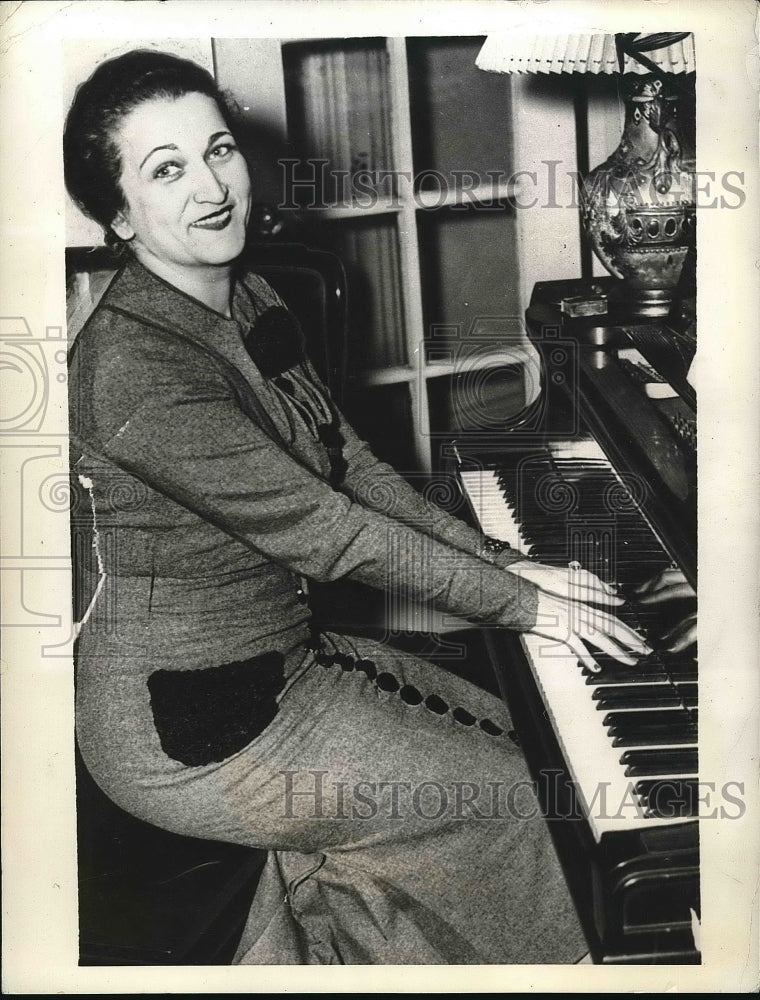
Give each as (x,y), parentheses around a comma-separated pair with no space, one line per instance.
(574,623)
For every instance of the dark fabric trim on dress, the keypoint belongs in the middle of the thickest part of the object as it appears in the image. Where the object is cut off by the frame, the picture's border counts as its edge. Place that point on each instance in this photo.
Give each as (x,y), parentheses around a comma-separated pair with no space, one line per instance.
(204,716)
(275,341)
(276,344)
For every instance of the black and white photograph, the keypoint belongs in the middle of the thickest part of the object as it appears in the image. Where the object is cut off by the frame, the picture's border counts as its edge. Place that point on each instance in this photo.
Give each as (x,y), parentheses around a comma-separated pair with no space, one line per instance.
(380,482)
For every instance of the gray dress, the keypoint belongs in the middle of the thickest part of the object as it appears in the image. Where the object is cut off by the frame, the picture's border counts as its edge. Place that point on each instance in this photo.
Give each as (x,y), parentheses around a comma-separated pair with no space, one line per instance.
(397,814)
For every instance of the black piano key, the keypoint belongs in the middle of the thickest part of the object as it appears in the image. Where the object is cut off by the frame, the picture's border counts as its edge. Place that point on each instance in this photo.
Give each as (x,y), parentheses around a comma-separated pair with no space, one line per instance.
(649,718)
(648,669)
(645,695)
(679,668)
(682,669)
(636,696)
(667,736)
(689,693)
(669,798)
(623,674)
(651,727)
(640,763)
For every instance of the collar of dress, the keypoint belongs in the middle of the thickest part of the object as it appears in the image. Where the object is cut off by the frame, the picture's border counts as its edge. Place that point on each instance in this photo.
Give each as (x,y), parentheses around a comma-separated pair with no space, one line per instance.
(142,294)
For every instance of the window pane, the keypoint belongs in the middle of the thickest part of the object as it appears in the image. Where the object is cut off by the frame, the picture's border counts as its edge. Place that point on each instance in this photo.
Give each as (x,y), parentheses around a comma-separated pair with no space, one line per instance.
(339,110)
(369,251)
(460,114)
(469,263)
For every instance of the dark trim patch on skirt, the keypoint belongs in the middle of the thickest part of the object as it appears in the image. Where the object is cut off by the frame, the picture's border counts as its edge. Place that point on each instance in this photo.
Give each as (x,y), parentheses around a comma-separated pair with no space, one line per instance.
(204,716)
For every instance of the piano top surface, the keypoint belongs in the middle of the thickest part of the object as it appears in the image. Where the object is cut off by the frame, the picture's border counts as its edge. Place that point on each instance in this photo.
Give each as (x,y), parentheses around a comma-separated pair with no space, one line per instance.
(625,376)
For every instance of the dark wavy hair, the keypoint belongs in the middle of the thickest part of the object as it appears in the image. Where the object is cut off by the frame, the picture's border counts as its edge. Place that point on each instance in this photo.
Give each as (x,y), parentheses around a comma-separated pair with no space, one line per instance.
(91,159)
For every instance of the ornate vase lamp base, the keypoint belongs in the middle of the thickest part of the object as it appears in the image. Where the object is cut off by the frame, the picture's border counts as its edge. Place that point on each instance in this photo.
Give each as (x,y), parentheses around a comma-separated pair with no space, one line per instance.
(638,207)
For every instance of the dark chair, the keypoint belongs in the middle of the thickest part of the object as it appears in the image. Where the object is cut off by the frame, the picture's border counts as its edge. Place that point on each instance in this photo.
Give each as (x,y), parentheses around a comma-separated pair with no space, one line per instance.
(150,897)
(312,284)
(146,896)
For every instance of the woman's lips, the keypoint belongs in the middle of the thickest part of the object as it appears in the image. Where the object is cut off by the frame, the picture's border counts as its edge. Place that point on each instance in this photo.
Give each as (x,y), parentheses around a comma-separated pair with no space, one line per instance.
(215,221)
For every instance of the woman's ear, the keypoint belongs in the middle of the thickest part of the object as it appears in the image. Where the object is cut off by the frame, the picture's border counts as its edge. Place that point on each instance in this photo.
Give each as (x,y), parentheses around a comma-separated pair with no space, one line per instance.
(121,227)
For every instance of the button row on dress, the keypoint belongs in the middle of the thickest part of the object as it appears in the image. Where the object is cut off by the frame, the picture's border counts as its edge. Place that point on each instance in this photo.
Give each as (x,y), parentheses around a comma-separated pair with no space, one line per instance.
(409,694)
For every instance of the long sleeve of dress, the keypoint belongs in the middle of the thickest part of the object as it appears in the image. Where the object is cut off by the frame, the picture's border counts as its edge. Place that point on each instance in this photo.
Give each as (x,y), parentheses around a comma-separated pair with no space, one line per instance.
(375,484)
(175,422)
(378,486)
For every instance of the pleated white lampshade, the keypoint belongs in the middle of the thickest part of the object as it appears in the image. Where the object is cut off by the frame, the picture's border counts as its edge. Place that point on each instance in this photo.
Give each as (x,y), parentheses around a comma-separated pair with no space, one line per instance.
(531,52)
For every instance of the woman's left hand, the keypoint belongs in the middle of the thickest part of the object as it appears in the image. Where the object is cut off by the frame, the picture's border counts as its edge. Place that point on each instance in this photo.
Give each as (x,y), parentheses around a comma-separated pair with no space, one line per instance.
(671,585)
(684,635)
(571,583)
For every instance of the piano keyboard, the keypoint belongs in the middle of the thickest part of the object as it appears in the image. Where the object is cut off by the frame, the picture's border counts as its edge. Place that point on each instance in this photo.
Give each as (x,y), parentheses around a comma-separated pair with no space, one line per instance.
(628,734)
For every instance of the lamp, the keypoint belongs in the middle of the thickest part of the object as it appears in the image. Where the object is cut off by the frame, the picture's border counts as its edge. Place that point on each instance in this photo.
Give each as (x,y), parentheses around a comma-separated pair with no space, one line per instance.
(638,208)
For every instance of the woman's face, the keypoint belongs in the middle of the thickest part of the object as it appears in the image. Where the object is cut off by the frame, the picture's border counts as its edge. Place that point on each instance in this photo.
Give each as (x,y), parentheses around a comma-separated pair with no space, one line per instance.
(185,182)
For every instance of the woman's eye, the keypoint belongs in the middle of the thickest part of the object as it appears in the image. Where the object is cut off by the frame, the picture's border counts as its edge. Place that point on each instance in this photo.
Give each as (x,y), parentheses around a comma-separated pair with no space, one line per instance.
(166,170)
(223,150)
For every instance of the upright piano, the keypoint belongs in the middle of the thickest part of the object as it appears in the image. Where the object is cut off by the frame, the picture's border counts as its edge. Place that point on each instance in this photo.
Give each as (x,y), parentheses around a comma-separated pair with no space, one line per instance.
(601,470)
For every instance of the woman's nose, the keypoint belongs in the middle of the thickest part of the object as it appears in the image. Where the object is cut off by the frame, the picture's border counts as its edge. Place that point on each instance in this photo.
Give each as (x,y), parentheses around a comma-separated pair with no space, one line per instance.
(208,187)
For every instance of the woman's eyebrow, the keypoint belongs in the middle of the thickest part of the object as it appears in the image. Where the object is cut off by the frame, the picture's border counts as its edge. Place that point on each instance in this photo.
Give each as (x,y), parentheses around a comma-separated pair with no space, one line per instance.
(169,145)
(217,135)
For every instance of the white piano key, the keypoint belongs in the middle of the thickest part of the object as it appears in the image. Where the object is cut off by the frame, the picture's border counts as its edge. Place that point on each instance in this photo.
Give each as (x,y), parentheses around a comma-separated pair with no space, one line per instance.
(594,764)
(494,515)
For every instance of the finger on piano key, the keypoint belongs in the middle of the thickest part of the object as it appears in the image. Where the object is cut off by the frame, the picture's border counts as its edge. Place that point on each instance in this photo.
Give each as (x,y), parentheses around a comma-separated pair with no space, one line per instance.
(569,624)
(670,584)
(587,587)
(683,636)
(609,633)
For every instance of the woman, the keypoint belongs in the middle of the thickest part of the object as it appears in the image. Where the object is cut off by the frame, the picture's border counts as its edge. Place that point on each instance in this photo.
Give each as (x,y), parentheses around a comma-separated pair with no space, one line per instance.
(204,703)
